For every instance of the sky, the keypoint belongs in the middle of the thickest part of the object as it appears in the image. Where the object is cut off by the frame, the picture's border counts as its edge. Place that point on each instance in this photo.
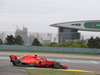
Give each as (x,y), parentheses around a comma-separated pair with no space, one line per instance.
(37,15)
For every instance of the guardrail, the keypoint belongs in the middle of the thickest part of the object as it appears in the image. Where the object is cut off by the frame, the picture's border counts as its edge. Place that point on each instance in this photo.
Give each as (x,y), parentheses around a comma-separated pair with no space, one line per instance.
(49,49)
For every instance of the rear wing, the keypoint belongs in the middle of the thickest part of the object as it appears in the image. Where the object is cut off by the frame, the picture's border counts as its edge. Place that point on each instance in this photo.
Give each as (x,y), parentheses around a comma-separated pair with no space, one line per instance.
(13,58)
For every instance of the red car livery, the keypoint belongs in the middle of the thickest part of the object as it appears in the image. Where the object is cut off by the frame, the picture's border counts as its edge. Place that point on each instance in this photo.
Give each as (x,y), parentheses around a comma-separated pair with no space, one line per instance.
(35,61)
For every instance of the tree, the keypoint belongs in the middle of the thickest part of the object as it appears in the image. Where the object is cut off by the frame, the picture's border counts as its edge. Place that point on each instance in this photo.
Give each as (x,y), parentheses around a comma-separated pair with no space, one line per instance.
(52,44)
(1,42)
(84,45)
(36,42)
(94,43)
(97,42)
(91,43)
(67,44)
(18,40)
(10,40)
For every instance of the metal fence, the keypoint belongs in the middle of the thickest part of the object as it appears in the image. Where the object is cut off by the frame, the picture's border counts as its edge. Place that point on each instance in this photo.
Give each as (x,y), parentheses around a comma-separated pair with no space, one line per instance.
(49,49)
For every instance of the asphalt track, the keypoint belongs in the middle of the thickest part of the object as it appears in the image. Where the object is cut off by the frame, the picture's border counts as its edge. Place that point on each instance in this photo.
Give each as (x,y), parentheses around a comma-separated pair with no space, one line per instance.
(6,67)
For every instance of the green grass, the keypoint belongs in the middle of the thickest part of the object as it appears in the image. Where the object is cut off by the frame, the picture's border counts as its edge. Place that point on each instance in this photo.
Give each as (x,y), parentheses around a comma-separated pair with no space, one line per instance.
(56,72)
(53,53)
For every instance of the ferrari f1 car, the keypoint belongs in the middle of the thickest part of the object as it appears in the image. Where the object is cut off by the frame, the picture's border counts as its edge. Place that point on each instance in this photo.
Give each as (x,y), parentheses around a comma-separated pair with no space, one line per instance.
(16,61)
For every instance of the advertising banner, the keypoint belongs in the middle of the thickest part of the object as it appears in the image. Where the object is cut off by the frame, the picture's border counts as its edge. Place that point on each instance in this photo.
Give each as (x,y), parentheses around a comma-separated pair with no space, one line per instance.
(92,25)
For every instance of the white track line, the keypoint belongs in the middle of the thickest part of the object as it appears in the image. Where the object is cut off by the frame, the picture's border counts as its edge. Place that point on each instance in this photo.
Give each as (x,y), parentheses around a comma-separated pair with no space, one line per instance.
(66,60)
(94,62)
(24,71)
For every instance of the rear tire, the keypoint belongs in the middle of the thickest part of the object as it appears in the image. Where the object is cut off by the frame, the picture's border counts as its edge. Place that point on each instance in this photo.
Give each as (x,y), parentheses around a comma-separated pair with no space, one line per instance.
(18,63)
(56,65)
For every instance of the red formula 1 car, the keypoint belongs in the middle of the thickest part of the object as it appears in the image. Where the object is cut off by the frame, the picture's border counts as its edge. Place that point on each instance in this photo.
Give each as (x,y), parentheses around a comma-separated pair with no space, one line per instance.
(35,61)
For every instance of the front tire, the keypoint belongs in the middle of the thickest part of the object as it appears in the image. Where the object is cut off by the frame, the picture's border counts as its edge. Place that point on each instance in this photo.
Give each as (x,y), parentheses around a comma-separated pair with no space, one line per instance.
(18,63)
(56,65)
